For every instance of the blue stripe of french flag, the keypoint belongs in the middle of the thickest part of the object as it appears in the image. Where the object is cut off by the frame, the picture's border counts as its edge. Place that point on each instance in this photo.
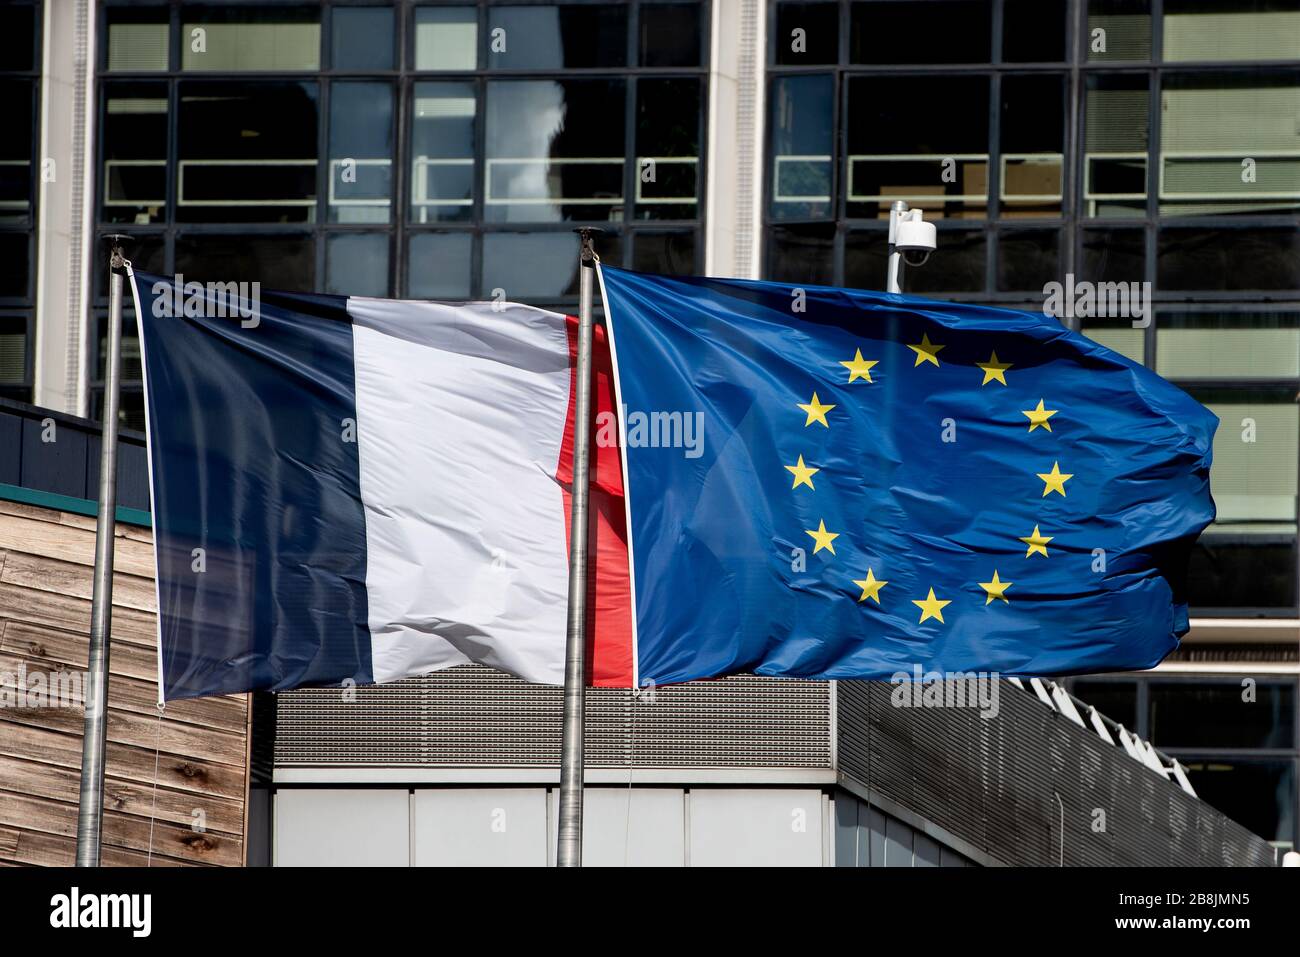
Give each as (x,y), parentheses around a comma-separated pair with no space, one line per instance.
(361,490)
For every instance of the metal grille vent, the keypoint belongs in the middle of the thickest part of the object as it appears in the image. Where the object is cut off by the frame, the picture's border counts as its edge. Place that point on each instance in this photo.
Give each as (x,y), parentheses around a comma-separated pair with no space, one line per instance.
(472,716)
(1027,786)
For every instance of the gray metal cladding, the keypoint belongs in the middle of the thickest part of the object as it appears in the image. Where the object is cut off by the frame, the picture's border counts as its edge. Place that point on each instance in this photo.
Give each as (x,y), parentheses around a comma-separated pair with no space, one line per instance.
(1028,787)
(472,716)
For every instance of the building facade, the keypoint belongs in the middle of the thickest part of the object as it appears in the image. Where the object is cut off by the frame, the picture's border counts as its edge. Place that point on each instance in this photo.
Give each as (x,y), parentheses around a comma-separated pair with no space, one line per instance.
(448,149)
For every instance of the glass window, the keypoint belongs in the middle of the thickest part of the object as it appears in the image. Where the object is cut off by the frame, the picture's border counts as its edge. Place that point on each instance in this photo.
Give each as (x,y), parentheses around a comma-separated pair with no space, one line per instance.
(542,265)
(1230,143)
(137,39)
(1028,259)
(247,152)
(866,254)
(439,266)
(1116,700)
(807,33)
(1116,111)
(285,261)
(555,150)
(1228,345)
(1033,31)
(668,148)
(1256,259)
(1250,30)
(15,266)
(134,144)
(236,39)
(667,253)
(446,38)
(442,151)
(17,109)
(361,152)
(1033,140)
(361,38)
(802,254)
(671,34)
(1254,470)
(1119,30)
(923,139)
(1249,573)
(356,264)
(1254,714)
(923,31)
(557,37)
(803,136)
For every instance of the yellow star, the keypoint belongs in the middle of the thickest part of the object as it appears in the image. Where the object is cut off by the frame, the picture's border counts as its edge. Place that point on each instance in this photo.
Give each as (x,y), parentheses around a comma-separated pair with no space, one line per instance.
(802,474)
(1039,416)
(1037,542)
(996,588)
(870,587)
(926,351)
(823,538)
(1054,481)
(859,368)
(994,370)
(931,607)
(816,411)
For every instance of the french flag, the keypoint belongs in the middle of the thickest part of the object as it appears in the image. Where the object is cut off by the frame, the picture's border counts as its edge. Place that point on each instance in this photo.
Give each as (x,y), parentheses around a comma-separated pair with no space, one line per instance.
(360,490)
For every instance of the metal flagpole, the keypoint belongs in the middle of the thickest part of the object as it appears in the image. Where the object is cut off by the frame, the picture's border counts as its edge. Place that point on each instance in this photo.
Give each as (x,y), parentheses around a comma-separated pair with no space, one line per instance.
(91,809)
(894,273)
(569,846)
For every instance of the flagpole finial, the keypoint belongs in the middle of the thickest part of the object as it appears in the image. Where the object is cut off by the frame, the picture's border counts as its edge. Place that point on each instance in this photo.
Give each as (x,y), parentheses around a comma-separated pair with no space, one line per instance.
(587,234)
(116,258)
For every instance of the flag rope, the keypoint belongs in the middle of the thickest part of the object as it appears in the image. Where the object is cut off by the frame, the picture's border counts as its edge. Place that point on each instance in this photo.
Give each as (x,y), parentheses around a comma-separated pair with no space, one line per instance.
(153,808)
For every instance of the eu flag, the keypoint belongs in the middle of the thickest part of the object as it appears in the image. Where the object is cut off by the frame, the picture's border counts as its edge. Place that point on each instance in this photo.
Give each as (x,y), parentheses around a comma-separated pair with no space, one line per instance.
(880,482)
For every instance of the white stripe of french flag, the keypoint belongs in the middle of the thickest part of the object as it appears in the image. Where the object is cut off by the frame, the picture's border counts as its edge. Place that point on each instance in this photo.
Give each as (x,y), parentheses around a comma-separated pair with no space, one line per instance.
(465,430)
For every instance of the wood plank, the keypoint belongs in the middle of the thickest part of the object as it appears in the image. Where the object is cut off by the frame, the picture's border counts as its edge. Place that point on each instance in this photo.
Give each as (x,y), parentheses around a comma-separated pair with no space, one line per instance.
(128,694)
(56,540)
(73,614)
(139,731)
(130,765)
(63,784)
(8,841)
(181,843)
(51,850)
(67,578)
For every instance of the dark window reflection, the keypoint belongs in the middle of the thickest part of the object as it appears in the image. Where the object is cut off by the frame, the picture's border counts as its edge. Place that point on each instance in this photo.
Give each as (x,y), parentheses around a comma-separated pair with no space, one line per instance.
(1228,260)
(1113,255)
(18,29)
(669,254)
(1204,715)
(439,266)
(552,38)
(1033,141)
(802,254)
(931,31)
(923,139)
(803,136)
(17,106)
(671,34)
(668,148)
(1033,31)
(1028,259)
(1242,574)
(356,264)
(541,265)
(1259,795)
(281,262)
(15,265)
(807,33)
(362,38)
(1116,700)
(247,152)
(134,144)
(554,150)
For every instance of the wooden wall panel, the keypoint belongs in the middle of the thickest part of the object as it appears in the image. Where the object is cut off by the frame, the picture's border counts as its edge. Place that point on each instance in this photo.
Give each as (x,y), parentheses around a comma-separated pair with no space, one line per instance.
(176,786)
